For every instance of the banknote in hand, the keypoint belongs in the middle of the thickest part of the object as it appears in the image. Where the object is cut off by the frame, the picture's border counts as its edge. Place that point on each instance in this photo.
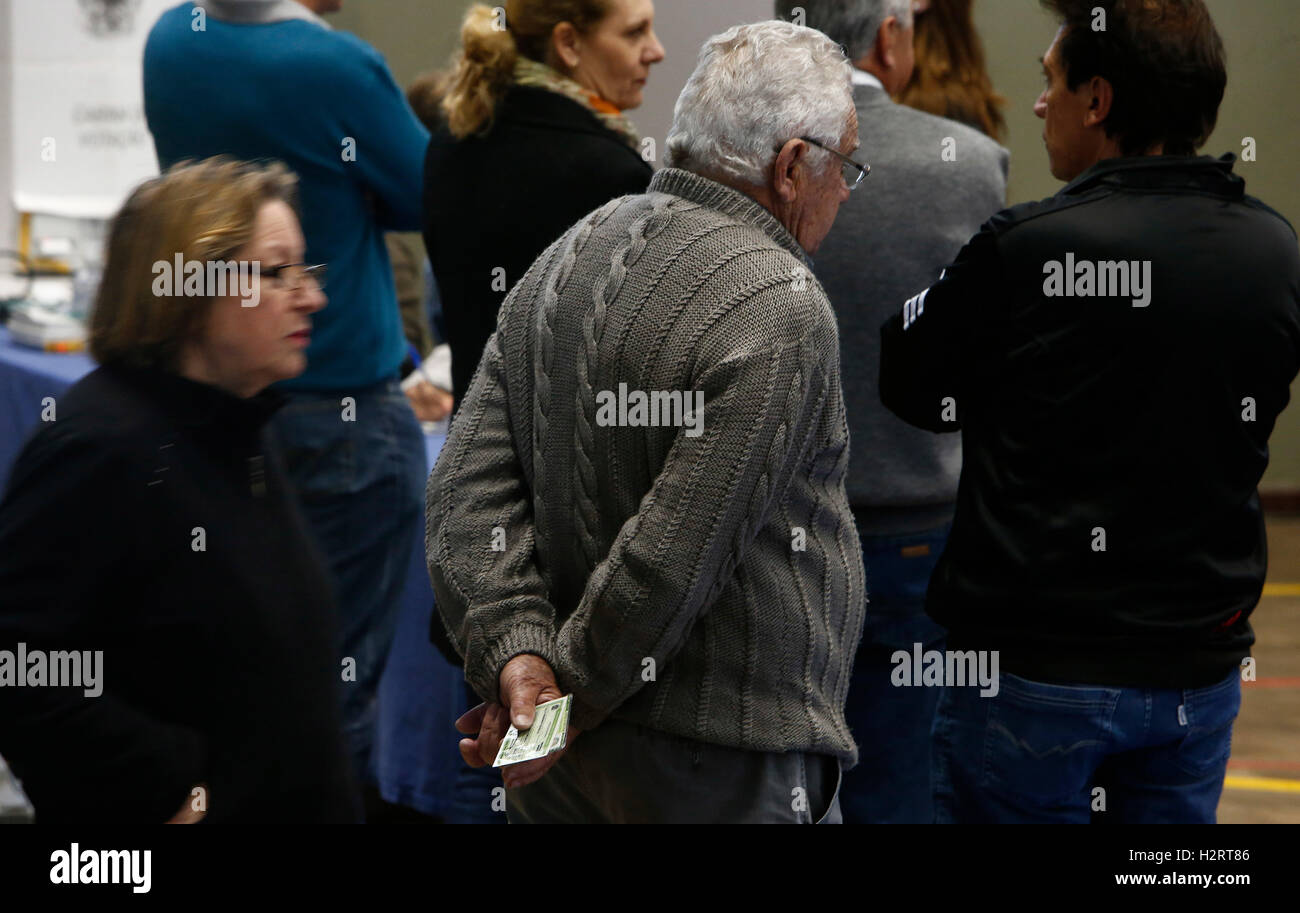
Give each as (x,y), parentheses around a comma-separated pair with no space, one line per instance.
(548,733)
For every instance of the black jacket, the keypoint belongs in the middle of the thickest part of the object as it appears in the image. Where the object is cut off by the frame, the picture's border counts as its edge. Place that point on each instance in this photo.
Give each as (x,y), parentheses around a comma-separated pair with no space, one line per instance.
(1108,529)
(151,522)
(497,201)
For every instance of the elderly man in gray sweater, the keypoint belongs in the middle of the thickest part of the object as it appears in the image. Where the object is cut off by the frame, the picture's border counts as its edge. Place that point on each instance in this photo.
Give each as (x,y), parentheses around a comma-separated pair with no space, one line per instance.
(933,183)
(641,501)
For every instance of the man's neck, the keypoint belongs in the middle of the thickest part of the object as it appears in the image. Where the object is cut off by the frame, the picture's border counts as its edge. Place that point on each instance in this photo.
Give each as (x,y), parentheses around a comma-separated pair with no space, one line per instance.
(1112,150)
(782,212)
(868,72)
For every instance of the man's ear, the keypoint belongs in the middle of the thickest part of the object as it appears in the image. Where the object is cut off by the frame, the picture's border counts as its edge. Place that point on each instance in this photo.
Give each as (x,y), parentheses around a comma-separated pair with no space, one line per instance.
(785,182)
(887,39)
(564,42)
(1101,97)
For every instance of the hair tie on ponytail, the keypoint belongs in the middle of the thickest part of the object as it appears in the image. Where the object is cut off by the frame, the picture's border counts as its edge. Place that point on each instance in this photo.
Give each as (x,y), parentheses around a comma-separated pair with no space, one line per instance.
(484,66)
(481,74)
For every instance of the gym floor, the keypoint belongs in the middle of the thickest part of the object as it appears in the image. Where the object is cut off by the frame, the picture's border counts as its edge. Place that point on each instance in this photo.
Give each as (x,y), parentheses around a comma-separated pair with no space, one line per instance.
(1263,784)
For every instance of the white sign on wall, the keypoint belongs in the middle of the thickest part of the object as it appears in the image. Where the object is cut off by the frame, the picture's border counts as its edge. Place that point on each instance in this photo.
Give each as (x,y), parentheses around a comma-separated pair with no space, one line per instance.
(79,141)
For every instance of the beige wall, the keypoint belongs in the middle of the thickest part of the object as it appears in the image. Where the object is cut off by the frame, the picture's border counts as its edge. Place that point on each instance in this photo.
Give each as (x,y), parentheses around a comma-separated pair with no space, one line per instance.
(414,35)
(1263,64)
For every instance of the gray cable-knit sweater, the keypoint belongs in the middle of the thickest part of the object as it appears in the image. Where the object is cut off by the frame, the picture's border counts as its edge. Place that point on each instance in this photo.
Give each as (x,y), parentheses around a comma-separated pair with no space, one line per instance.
(705,585)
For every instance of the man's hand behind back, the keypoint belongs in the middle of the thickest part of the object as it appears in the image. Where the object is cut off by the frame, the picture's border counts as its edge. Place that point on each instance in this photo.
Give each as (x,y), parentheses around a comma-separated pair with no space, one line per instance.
(525,681)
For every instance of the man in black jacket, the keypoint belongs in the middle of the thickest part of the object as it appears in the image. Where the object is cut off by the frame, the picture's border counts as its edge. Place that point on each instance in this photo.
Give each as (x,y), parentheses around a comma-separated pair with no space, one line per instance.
(1115,358)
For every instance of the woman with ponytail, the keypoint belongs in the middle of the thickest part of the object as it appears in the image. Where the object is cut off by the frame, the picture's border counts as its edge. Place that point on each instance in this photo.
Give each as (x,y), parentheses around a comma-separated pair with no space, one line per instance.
(534,137)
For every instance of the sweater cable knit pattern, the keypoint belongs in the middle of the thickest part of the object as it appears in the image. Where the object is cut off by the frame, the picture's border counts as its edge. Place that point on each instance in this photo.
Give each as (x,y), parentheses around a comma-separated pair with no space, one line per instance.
(605,290)
(576,241)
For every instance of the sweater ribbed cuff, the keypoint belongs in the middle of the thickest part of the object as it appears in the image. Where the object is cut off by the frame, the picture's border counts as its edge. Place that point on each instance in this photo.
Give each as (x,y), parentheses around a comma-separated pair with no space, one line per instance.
(484,676)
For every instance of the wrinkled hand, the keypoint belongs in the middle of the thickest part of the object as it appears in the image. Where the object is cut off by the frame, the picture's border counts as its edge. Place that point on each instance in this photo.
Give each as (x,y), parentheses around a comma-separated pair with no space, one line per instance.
(430,403)
(488,723)
(526,681)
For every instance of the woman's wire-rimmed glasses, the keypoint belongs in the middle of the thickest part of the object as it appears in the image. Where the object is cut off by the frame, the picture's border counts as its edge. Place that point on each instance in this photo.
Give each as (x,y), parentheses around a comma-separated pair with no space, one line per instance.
(293,276)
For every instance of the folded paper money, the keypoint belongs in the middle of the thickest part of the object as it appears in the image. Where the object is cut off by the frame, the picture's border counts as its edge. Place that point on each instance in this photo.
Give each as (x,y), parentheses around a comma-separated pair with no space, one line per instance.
(549,732)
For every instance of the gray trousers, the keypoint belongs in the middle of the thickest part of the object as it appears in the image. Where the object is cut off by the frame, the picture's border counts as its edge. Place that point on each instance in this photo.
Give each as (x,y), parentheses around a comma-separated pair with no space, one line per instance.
(622,773)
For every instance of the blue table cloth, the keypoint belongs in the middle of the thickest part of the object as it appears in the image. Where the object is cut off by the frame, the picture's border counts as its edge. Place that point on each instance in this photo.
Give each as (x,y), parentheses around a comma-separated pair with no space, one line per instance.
(420,695)
(27,376)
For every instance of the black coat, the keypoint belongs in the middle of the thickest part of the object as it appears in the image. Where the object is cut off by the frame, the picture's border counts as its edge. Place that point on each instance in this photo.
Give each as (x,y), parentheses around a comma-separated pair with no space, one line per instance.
(497,201)
(152,522)
(1108,530)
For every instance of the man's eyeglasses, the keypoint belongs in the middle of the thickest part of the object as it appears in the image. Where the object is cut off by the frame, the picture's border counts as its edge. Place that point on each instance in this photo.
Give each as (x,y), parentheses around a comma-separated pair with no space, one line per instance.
(296,275)
(854,173)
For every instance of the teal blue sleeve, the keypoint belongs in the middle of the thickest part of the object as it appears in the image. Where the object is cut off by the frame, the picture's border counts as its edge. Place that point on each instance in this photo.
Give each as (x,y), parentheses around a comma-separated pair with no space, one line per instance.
(390,143)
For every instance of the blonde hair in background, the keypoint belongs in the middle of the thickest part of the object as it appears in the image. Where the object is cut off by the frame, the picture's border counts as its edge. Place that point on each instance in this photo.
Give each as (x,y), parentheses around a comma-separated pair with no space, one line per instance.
(484,66)
(202,210)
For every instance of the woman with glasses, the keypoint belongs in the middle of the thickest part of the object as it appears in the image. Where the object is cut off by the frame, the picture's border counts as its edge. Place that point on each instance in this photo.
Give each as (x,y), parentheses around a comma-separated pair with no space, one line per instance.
(534,139)
(156,578)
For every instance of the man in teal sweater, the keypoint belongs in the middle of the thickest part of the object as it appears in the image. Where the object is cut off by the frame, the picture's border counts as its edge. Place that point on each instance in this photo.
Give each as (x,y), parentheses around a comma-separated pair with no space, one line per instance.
(269,79)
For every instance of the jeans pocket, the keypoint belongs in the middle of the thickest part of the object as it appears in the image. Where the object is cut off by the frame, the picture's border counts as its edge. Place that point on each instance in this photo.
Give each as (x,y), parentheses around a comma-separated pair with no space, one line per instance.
(318,446)
(1211,712)
(898,570)
(831,813)
(1043,741)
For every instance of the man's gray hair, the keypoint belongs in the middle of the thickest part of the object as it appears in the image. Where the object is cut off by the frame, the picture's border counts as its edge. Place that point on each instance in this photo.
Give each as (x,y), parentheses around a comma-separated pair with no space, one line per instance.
(755,88)
(852,24)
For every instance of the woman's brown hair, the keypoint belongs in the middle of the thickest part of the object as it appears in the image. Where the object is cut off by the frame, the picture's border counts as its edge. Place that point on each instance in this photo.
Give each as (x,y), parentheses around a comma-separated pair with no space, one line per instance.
(425,95)
(484,66)
(203,211)
(950,78)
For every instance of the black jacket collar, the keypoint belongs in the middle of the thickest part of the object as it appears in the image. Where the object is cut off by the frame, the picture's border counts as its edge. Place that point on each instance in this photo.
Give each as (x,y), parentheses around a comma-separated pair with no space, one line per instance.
(200,406)
(534,106)
(1173,172)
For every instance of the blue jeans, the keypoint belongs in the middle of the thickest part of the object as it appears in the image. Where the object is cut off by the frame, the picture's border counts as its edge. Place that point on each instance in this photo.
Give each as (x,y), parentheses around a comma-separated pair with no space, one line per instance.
(891,782)
(360,484)
(472,796)
(1038,753)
